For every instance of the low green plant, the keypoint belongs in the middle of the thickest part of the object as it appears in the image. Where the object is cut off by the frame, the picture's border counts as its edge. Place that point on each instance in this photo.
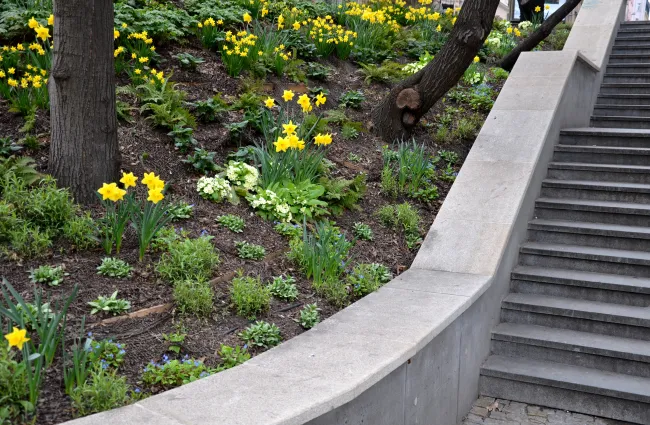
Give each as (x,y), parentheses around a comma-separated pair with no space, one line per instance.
(29,241)
(202,161)
(288,229)
(387,72)
(261,334)
(52,276)
(114,267)
(110,304)
(367,278)
(284,288)
(180,210)
(194,297)
(8,147)
(212,109)
(309,316)
(48,207)
(231,357)
(165,237)
(288,201)
(411,175)
(498,74)
(191,259)
(105,354)
(341,194)
(466,128)
(81,231)
(174,373)
(189,61)
(15,406)
(104,390)
(354,157)
(232,222)
(175,340)
(404,217)
(350,131)
(250,251)
(249,296)
(362,231)
(352,99)
(183,137)
(316,71)
(450,157)
(76,365)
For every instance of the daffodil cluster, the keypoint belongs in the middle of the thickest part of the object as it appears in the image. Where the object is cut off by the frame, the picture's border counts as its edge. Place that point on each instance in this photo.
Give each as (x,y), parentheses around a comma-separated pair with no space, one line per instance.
(328,36)
(208,32)
(135,53)
(239,51)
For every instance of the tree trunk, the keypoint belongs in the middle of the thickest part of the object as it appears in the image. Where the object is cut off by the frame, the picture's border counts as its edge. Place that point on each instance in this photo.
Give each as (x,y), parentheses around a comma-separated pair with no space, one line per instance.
(408,101)
(544,30)
(83,151)
(527,9)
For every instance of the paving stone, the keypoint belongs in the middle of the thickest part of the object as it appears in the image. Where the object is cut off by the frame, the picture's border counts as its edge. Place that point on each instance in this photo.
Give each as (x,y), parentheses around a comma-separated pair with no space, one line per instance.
(484,401)
(479,411)
(536,411)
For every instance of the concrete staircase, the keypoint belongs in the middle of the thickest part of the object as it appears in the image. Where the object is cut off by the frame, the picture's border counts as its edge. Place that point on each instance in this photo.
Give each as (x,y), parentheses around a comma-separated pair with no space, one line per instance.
(575,331)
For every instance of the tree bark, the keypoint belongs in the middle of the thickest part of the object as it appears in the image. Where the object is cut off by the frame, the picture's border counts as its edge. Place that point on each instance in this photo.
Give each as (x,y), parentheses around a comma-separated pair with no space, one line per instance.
(544,30)
(408,101)
(83,150)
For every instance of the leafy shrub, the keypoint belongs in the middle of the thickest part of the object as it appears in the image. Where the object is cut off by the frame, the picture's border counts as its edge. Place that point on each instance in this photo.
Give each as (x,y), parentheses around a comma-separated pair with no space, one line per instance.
(466,128)
(210,110)
(202,160)
(387,72)
(309,316)
(175,340)
(249,296)
(165,237)
(174,373)
(284,288)
(289,201)
(231,357)
(8,219)
(29,241)
(48,207)
(188,259)
(367,278)
(316,71)
(183,137)
(362,231)
(450,157)
(250,251)
(352,99)
(53,276)
(114,267)
(341,194)
(81,231)
(232,222)
(189,61)
(559,36)
(106,354)
(194,297)
(163,104)
(103,391)
(110,304)
(162,22)
(481,98)
(261,334)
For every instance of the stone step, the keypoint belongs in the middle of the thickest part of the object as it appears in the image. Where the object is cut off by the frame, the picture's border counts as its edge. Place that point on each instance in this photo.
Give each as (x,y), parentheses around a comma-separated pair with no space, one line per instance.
(612,137)
(629,77)
(627,68)
(625,88)
(622,110)
(596,191)
(628,58)
(601,287)
(624,99)
(623,321)
(627,39)
(603,352)
(620,122)
(593,211)
(603,235)
(568,387)
(636,48)
(599,172)
(612,155)
(585,258)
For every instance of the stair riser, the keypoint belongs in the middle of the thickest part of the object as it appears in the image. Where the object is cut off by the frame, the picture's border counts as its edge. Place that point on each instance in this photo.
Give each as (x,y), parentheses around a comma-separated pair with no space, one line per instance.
(626,79)
(613,141)
(625,89)
(632,41)
(592,216)
(567,356)
(575,323)
(596,157)
(626,111)
(624,100)
(555,237)
(581,293)
(608,176)
(629,59)
(631,50)
(598,123)
(559,398)
(627,69)
(596,195)
(582,264)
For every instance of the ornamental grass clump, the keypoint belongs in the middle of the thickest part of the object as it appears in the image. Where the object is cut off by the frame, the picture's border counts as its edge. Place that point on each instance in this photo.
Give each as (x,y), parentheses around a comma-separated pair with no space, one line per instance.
(249,296)
(194,297)
(188,259)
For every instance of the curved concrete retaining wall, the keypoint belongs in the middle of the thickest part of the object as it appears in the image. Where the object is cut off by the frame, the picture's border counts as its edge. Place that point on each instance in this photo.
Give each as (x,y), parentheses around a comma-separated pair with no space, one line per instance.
(410,353)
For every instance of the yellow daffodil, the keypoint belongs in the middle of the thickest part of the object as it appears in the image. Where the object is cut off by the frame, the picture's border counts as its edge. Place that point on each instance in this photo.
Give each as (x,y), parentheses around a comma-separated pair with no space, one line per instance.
(265,12)
(269,102)
(199,25)
(50,20)
(143,60)
(477,59)
(320,99)
(538,9)
(11,71)
(17,338)
(220,22)
(289,128)
(12,82)
(547,7)
(152,181)
(43,33)
(517,32)
(155,195)
(323,139)
(138,71)
(287,95)
(128,179)
(281,145)
(305,103)
(33,23)
(509,30)
(247,18)
(124,25)
(296,26)
(439,28)
(107,190)
(2,74)
(116,194)
(116,34)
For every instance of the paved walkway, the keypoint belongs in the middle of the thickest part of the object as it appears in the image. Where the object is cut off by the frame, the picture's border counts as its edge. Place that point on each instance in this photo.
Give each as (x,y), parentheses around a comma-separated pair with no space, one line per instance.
(490,411)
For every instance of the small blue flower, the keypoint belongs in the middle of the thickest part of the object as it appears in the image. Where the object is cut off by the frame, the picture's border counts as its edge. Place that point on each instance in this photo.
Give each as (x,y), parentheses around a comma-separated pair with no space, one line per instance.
(90,334)
(245,346)
(204,232)
(137,390)
(197,363)
(122,352)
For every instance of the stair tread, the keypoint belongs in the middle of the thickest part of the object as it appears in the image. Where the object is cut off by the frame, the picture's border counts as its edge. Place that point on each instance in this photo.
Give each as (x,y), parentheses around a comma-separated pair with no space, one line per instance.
(577,308)
(588,166)
(609,281)
(597,204)
(570,377)
(602,149)
(622,186)
(619,118)
(640,230)
(576,341)
(588,131)
(625,85)
(622,107)
(587,250)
